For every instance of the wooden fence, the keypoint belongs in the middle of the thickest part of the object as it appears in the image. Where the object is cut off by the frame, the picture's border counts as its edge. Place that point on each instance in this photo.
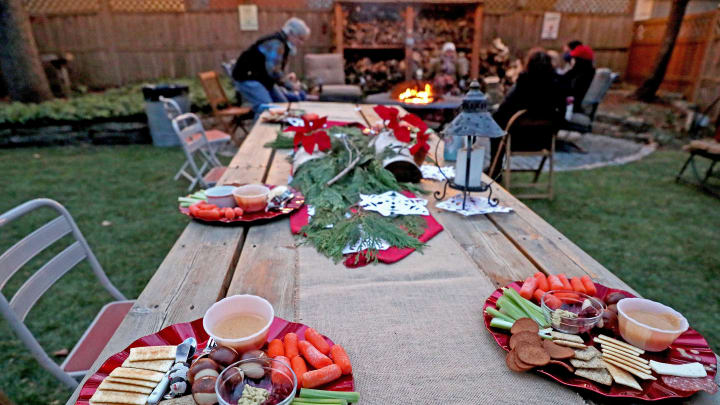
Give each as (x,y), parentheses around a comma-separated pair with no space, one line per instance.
(116,42)
(694,68)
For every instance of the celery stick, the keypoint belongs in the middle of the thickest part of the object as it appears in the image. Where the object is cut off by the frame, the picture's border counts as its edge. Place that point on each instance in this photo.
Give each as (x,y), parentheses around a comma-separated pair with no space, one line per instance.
(497,314)
(501,323)
(508,307)
(311,393)
(526,306)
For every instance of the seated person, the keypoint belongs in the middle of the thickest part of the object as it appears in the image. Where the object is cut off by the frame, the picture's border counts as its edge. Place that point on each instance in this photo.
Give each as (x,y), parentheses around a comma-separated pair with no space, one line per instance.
(448,73)
(582,72)
(539,91)
(259,70)
(293,89)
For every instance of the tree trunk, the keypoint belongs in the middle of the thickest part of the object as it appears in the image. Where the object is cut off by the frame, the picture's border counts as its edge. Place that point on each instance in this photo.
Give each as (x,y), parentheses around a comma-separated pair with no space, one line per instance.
(647,90)
(19,59)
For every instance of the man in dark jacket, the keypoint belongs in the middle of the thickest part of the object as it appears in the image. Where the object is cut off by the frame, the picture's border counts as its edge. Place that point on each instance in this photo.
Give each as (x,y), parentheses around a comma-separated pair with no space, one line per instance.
(260,70)
(579,77)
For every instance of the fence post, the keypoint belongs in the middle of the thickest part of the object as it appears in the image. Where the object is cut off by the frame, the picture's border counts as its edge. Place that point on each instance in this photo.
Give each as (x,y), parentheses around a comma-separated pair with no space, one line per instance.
(108,41)
(706,43)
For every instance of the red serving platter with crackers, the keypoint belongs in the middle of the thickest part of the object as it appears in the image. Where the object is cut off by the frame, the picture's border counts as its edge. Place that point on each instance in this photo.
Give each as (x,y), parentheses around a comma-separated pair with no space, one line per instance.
(688,348)
(176,334)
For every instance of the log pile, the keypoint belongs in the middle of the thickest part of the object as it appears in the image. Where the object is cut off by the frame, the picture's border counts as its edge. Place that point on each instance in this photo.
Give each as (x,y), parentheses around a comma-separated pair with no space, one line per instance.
(369,24)
(438,27)
(375,77)
(497,61)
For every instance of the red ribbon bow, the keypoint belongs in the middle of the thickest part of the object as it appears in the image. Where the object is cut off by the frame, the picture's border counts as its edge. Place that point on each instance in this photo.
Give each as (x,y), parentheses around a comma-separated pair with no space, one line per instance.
(309,135)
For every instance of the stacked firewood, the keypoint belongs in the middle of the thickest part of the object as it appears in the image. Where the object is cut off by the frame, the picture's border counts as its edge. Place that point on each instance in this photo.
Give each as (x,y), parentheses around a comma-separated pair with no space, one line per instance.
(496,61)
(376,76)
(369,24)
(438,29)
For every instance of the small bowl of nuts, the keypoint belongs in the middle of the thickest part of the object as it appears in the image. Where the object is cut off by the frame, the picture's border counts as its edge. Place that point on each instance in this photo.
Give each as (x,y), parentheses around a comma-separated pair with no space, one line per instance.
(256,380)
(571,311)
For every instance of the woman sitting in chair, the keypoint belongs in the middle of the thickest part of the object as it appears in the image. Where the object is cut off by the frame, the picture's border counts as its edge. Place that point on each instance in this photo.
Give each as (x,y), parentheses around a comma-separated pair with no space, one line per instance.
(540,91)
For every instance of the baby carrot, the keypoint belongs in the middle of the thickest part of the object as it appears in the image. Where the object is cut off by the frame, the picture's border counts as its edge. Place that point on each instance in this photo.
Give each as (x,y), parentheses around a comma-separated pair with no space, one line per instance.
(577,285)
(538,295)
(312,355)
(570,298)
(321,376)
(299,367)
(341,358)
(555,283)
(291,349)
(564,281)
(312,336)
(277,376)
(275,348)
(551,300)
(589,285)
(542,282)
(528,287)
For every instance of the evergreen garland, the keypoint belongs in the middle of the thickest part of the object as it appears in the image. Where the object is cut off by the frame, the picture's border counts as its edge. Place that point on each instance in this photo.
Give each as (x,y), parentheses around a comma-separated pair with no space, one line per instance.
(334,224)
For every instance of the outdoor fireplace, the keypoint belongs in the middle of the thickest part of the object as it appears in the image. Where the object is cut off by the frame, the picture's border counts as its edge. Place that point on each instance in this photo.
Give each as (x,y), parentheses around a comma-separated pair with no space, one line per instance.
(414,92)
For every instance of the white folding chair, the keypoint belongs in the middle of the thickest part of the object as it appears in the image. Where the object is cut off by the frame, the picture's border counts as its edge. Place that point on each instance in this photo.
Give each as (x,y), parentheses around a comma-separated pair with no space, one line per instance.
(200,158)
(216,139)
(91,344)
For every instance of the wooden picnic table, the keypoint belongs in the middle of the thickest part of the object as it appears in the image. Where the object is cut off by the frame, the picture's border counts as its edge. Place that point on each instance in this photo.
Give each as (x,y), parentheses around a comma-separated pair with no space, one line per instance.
(414,329)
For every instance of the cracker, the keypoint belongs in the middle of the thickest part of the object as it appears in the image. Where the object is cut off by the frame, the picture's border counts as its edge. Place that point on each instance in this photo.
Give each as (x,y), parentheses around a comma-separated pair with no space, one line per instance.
(599,375)
(152,353)
(587,354)
(140,383)
(528,337)
(607,345)
(557,351)
(562,363)
(155,365)
(114,386)
(595,362)
(525,325)
(628,362)
(574,345)
(622,377)
(610,349)
(513,364)
(137,374)
(117,397)
(531,354)
(620,343)
(631,370)
(566,337)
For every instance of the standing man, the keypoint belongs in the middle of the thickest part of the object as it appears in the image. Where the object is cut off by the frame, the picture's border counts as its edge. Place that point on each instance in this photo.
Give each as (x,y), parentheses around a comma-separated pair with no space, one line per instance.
(260,70)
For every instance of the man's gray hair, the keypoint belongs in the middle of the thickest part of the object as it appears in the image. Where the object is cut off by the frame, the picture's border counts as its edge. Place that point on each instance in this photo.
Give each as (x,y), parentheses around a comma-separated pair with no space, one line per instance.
(297,27)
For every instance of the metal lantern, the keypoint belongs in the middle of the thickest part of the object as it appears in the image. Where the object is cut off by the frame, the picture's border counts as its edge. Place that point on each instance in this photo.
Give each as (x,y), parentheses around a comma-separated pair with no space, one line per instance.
(474,121)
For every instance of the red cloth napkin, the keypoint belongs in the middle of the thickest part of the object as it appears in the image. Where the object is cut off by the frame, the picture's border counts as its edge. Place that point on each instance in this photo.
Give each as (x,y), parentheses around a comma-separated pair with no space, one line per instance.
(300,218)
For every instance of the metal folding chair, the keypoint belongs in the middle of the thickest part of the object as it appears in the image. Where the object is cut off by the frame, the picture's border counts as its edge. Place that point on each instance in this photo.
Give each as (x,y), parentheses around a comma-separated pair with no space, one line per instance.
(201,160)
(217,140)
(16,310)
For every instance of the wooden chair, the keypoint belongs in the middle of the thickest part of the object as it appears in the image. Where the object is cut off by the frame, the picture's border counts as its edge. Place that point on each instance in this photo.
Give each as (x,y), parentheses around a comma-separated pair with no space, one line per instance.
(543,128)
(704,148)
(229,116)
(92,342)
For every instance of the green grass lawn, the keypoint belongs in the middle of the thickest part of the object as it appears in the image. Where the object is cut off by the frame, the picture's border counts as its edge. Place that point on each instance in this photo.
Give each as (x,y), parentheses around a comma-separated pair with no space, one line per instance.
(659,237)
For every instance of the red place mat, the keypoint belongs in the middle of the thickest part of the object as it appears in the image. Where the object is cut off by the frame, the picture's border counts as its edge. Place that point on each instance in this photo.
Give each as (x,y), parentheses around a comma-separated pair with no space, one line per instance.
(299,219)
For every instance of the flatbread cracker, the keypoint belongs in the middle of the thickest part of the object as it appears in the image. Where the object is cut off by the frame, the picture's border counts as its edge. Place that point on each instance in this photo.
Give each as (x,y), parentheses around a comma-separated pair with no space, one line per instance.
(595,362)
(117,397)
(629,362)
(620,343)
(587,354)
(610,345)
(567,337)
(599,375)
(137,374)
(620,353)
(631,370)
(140,383)
(574,345)
(152,353)
(622,377)
(114,386)
(155,365)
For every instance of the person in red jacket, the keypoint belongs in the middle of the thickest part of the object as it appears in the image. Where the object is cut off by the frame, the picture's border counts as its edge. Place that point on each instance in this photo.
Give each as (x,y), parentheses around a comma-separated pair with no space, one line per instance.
(579,77)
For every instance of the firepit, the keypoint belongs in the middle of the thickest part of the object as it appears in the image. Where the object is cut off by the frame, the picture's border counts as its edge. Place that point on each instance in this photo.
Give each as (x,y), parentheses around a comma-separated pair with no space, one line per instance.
(414,93)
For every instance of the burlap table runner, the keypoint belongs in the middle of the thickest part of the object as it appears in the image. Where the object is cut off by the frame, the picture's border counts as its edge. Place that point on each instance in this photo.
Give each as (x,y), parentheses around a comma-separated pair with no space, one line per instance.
(414,329)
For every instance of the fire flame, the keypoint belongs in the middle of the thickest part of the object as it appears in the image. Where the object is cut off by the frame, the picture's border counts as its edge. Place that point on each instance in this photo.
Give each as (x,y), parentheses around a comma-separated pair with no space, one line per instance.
(413,96)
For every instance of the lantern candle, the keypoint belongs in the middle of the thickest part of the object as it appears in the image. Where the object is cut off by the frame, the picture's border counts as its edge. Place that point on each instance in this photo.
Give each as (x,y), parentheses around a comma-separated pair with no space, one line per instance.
(477,155)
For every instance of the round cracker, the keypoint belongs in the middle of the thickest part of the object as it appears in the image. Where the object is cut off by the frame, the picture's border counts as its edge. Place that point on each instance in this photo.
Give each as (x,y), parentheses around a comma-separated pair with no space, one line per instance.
(520,364)
(558,352)
(533,355)
(525,325)
(510,362)
(528,337)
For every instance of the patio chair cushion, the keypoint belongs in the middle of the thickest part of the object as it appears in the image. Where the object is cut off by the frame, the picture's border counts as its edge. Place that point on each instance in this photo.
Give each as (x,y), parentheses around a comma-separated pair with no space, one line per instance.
(705,145)
(341,90)
(97,335)
(212,177)
(212,135)
(325,68)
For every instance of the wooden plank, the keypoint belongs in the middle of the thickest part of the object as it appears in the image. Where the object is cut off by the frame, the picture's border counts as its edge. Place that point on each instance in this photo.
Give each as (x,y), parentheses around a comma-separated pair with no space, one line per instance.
(334,111)
(196,271)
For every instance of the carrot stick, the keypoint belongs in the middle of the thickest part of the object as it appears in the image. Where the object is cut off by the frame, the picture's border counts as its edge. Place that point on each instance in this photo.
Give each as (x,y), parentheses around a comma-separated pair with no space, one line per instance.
(538,295)
(276,376)
(312,355)
(291,348)
(528,287)
(589,285)
(569,298)
(542,282)
(564,281)
(555,283)
(337,353)
(312,336)
(577,285)
(299,367)
(551,300)
(275,348)
(321,376)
